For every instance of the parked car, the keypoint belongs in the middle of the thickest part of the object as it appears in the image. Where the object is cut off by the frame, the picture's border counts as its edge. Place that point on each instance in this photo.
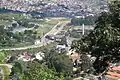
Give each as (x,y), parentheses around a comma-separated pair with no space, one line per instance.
(50,37)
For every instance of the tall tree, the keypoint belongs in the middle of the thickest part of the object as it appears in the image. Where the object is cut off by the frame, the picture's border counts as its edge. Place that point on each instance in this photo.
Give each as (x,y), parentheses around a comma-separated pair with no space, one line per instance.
(59,62)
(104,41)
(36,71)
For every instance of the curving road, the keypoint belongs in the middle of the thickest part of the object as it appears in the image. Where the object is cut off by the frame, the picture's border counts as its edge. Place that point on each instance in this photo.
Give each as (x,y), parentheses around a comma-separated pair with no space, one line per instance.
(44,41)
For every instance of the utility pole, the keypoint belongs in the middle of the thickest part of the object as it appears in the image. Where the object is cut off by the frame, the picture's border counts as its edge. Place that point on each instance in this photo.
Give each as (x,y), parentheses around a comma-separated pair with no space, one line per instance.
(83,29)
(83,26)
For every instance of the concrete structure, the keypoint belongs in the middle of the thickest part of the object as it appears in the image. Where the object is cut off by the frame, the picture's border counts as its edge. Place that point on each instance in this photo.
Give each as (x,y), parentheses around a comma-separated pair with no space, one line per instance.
(37,42)
(39,56)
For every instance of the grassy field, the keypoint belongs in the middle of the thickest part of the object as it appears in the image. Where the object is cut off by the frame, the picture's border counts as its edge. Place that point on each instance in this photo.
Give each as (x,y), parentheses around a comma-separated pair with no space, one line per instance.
(47,24)
(7,18)
(11,16)
(44,25)
(4,22)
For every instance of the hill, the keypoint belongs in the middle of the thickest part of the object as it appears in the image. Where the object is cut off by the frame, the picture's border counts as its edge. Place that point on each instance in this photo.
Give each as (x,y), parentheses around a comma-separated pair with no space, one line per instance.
(60,8)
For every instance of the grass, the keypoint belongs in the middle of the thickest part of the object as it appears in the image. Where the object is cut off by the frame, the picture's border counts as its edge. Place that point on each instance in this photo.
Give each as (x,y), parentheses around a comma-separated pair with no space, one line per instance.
(44,28)
(47,25)
(11,16)
(6,18)
(4,22)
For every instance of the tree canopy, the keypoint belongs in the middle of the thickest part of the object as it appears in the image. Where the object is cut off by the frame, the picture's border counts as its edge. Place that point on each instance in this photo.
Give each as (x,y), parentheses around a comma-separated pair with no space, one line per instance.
(59,62)
(36,71)
(104,41)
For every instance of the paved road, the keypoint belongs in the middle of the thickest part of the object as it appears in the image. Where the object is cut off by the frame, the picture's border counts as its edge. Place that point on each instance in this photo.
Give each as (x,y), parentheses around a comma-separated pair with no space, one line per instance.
(44,41)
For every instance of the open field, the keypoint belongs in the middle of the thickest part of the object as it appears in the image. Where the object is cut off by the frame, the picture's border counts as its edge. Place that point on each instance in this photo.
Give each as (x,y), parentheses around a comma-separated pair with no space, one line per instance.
(43,26)
(11,16)
(47,24)
(3,22)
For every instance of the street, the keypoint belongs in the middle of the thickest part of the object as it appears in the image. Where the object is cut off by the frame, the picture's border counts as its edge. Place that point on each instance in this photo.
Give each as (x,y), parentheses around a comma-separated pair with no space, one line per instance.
(44,41)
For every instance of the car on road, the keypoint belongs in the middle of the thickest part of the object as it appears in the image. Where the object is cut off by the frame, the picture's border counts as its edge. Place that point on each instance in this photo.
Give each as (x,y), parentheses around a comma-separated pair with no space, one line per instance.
(50,37)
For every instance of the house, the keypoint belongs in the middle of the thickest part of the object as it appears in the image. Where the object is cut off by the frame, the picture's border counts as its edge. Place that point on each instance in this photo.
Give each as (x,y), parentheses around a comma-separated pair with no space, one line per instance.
(28,57)
(114,71)
(37,41)
(39,56)
(25,57)
(61,48)
(75,56)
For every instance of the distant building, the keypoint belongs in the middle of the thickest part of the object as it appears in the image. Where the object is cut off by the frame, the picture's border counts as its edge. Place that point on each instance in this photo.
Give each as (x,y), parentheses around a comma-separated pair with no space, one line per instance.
(39,56)
(113,71)
(37,42)
(25,57)
(61,48)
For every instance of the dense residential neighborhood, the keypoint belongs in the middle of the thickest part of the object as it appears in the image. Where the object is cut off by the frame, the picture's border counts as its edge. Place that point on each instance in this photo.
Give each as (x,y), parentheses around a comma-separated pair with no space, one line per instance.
(61,8)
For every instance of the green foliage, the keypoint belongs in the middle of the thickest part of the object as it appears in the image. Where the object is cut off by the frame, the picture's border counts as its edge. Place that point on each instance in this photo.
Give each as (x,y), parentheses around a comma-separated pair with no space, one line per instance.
(75,34)
(5,37)
(88,20)
(104,41)
(59,62)
(3,55)
(18,69)
(5,71)
(36,71)
(9,39)
(11,16)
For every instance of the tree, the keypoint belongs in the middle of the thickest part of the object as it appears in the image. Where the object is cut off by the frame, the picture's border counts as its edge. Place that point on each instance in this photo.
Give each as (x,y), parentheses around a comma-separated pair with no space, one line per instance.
(59,62)
(36,71)
(14,25)
(88,20)
(18,69)
(33,71)
(104,41)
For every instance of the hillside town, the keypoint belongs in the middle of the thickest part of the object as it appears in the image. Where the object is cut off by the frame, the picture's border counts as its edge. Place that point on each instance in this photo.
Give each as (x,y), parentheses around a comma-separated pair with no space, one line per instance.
(61,8)
(59,40)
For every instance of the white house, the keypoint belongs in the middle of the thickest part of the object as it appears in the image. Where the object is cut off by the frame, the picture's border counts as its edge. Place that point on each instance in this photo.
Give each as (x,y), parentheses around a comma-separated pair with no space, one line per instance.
(61,46)
(37,42)
(39,56)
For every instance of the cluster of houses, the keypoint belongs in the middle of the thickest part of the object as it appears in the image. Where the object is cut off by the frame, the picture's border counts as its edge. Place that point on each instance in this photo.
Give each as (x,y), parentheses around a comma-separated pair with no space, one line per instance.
(61,40)
(61,8)
(112,73)
(25,56)
(79,61)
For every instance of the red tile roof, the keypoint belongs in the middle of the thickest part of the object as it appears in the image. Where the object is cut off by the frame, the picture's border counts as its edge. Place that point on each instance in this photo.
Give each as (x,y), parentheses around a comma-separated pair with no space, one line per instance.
(114,73)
